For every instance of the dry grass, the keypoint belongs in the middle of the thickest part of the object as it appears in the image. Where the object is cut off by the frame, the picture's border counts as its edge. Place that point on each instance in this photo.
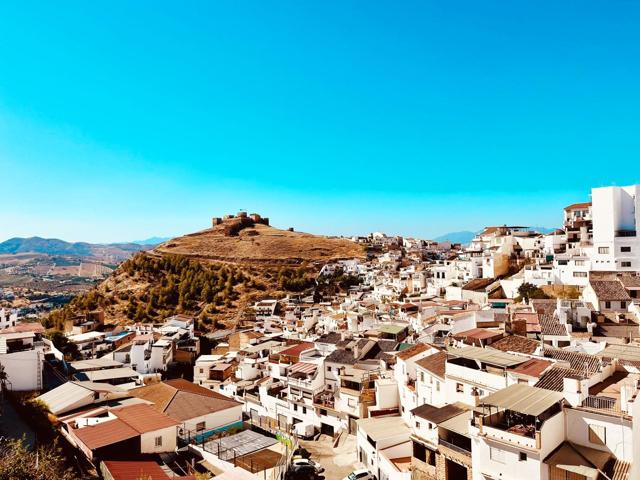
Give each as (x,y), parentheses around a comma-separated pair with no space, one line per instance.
(262,245)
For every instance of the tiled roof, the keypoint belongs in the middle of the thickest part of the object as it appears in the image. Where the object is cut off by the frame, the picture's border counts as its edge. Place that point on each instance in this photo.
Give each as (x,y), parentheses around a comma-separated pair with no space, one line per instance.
(550,325)
(105,433)
(478,333)
(533,367)
(516,343)
(296,349)
(183,400)
(578,206)
(441,414)
(544,305)
(135,470)
(143,418)
(607,290)
(630,281)
(576,360)
(341,356)
(435,363)
(416,349)
(23,327)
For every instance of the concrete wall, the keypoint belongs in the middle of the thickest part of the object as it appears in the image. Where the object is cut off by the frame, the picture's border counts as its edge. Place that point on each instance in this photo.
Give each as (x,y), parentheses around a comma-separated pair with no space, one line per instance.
(169,438)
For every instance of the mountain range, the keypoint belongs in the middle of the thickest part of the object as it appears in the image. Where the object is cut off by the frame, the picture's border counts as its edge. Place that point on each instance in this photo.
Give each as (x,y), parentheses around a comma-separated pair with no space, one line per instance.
(465,236)
(55,246)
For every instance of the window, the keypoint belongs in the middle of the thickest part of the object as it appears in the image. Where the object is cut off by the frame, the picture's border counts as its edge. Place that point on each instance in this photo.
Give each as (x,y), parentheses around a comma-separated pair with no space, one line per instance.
(623,304)
(496,455)
(304,409)
(437,386)
(459,388)
(158,441)
(417,424)
(422,377)
(523,457)
(597,434)
(625,264)
(607,304)
(201,426)
(603,250)
(579,263)
(625,249)
(295,407)
(202,370)
(580,274)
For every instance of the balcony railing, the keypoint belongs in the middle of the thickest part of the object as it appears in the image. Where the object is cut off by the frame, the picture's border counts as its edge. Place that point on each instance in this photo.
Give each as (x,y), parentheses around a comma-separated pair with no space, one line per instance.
(606,404)
(625,233)
(455,448)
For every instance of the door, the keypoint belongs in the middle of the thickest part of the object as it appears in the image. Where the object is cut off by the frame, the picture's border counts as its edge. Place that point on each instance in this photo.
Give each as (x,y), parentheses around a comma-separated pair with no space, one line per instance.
(326,429)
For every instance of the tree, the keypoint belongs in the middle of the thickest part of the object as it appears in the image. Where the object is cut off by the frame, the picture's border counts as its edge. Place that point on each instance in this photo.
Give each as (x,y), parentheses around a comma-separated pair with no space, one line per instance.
(62,343)
(528,291)
(19,463)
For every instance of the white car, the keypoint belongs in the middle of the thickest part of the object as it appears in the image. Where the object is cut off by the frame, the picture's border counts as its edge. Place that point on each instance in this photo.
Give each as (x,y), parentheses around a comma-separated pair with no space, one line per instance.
(360,475)
(305,461)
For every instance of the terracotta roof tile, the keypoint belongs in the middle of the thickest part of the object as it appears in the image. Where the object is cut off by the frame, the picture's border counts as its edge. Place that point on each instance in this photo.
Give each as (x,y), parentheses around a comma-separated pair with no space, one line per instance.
(607,290)
(143,418)
(516,343)
(105,433)
(416,349)
(435,363)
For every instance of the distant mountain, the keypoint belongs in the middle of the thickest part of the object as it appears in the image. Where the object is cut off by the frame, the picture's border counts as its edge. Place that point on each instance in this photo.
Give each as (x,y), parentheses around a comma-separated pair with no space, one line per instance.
(463,237)
(152,241)
(55,246)
(544,230)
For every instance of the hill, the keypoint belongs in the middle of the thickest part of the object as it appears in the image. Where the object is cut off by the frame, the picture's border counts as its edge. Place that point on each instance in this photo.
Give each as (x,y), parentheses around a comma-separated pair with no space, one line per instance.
(213,274)
(464,237)
(54,246)
(258,244)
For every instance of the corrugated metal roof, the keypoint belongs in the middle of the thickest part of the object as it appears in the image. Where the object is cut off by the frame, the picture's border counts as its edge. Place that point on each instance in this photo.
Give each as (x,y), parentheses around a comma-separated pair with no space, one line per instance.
(488,355)
(524,399)
(379,428)
(303,367)
(105,433)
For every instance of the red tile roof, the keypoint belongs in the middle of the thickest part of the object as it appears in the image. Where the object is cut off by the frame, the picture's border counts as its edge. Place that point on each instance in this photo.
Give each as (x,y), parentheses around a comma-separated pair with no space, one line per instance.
(578,206)
(533,367)
(132,470)
(105,433)
(23,327)
(143,418)
(296,350)
(478,333)
(412,351)
(435,363)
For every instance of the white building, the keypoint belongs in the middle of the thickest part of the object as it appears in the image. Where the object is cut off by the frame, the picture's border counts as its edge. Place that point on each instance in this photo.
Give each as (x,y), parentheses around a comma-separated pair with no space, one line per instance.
(616,216)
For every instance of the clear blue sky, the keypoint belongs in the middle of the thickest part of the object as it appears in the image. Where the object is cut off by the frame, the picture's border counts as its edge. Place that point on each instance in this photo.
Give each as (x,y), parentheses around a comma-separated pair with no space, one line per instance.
(122,120)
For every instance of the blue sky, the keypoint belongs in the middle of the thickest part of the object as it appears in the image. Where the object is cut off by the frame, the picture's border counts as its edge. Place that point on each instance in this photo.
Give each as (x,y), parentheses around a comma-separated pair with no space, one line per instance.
(122,120)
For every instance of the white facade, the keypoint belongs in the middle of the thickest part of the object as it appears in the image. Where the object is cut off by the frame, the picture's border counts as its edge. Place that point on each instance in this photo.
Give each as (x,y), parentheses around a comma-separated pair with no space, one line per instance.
(616,216)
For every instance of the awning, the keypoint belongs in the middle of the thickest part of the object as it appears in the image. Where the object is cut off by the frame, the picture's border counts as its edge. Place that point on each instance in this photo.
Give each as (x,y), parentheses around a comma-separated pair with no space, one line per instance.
(524,399)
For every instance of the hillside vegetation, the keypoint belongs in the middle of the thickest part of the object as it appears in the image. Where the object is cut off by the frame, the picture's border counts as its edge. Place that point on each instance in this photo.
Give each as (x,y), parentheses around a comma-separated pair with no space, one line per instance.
(214,275)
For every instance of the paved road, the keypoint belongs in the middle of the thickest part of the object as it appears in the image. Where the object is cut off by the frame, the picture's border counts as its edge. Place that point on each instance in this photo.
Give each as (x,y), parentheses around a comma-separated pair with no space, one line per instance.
(338,462)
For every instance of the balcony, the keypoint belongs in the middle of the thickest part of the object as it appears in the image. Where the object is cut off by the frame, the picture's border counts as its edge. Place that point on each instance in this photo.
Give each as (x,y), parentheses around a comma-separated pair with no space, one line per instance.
(459,448)
(325,399)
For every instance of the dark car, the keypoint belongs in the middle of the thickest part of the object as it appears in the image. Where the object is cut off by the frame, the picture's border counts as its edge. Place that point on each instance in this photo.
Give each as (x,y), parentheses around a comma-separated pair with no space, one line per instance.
(303,472)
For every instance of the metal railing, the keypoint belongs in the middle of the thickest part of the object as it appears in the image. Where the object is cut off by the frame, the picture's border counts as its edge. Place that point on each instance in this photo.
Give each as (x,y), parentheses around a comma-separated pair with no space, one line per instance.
(601,403)
(455,448)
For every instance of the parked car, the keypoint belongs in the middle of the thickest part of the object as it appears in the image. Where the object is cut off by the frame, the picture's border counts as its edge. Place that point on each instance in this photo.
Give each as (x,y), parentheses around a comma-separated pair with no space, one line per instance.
(303,472)
(305,461)
(360,475)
